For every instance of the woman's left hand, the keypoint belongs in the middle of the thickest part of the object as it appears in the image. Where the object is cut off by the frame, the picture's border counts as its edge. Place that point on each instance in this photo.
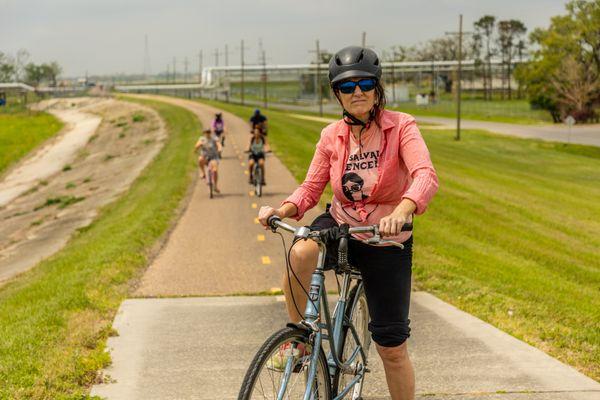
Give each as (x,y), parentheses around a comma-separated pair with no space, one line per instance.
(392,224)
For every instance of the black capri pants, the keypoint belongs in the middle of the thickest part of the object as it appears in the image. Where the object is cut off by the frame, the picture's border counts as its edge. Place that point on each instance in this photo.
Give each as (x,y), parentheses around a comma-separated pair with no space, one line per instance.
(386,272)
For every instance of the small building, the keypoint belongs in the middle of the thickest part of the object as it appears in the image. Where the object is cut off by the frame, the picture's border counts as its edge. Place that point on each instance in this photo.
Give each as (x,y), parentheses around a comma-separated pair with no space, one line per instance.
(14,90)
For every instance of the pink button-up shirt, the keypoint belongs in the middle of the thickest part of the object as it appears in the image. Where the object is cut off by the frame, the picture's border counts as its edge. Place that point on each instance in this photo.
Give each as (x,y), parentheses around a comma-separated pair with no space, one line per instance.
(404,171)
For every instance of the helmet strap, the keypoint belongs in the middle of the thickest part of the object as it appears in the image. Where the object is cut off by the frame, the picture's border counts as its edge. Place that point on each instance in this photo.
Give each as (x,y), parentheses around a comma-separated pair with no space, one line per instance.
(351,120)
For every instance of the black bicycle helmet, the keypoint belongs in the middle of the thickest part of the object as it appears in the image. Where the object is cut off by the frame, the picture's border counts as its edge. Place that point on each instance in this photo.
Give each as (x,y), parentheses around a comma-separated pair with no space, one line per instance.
(354,62)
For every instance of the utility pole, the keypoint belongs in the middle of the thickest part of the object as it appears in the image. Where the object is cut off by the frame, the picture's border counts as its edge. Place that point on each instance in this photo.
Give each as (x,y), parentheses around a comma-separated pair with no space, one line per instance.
(364,39)
(185,68)
(318,88)
(216,54)
(168,73)
(393,80)
(242,48)
(264,79)
(200,66)
(174,70)
(226,56)
(460,34)
(147,68)
(459,87)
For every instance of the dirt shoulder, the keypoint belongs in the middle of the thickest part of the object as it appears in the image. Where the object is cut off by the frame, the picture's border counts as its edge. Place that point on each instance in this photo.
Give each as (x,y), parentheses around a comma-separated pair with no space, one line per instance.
(61,187)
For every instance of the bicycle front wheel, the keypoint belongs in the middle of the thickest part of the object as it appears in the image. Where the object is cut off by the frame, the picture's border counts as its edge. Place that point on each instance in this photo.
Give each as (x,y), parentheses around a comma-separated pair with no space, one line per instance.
(358,314)
(280,369)
(259,180)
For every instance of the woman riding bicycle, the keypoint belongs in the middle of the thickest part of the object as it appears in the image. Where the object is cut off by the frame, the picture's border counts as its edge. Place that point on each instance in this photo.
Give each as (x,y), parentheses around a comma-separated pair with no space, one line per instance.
(257,148)
(218,126)
(381,173)
(209,148)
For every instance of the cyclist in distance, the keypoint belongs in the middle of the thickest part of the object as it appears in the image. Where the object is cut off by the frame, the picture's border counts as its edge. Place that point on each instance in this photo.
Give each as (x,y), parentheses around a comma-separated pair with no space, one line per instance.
(259,120)
(218,126)
(257,148)
(381,174)
(208,147)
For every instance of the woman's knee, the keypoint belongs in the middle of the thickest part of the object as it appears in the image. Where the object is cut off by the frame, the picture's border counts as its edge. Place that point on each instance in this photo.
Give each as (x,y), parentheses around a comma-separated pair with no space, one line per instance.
(303,256)
(395,356)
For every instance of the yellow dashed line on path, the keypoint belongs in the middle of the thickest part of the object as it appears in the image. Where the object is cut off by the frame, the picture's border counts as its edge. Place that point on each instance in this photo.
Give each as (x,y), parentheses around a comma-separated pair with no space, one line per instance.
(246,172)
(256,221)
(260,238)
(251,193)
(243,164)
(254,205)
(266,260)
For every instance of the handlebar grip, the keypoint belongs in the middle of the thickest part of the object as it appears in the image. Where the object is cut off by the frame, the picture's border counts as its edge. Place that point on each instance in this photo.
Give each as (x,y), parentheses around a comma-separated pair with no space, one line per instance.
(407,227)
(272,220)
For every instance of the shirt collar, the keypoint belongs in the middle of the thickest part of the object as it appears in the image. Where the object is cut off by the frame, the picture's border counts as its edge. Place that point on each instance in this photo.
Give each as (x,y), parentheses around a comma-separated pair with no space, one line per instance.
(387,122)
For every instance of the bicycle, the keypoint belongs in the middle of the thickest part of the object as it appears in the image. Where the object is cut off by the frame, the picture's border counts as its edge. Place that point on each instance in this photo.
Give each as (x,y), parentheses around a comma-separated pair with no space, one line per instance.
(324,377)
(210,179)
(257,177)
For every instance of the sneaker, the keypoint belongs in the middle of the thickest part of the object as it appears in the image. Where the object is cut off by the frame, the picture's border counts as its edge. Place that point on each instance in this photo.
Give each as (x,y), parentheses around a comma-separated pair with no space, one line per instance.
(278,361)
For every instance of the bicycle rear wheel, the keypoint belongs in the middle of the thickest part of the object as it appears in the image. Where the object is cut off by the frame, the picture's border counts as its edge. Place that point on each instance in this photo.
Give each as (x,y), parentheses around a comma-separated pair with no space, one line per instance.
(210,182)
(358,313)
(266,380)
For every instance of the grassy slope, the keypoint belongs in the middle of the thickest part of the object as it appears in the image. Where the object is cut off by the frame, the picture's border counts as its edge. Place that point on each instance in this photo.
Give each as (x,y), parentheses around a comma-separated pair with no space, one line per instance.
(20,132)
(512,236)
(54,319)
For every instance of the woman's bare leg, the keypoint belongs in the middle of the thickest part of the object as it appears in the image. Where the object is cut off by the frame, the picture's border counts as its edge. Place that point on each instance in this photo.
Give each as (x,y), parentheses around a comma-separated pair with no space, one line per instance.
(303,260)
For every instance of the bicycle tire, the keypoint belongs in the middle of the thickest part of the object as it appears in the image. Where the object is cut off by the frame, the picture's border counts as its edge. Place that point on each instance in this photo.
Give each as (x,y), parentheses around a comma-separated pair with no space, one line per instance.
(252,379)
(359,315)
(210,183)
(259,178)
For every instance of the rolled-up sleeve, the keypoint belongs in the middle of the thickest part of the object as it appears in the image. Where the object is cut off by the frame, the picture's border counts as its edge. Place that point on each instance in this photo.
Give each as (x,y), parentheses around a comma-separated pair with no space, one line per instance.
(309,192)
(415,154)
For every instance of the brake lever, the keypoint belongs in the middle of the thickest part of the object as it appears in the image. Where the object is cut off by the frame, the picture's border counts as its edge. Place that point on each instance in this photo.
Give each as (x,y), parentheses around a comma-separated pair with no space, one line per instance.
(376,239)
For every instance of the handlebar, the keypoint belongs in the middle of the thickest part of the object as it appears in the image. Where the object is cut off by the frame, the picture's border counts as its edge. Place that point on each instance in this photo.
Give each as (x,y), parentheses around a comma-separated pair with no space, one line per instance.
(303,232)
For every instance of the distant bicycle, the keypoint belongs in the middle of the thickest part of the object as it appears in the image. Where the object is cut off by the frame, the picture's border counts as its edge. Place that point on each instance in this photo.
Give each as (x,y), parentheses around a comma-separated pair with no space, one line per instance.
(292,364)
(208,160)
(210,181)
(257,148)
(257,178)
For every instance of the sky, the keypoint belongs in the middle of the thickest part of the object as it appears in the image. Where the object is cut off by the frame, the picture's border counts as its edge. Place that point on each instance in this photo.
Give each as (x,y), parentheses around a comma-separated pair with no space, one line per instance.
(107,36)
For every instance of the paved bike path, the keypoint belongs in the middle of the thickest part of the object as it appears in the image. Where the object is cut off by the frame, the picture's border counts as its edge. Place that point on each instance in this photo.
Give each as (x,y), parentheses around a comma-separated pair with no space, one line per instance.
(199,348)
(217,246)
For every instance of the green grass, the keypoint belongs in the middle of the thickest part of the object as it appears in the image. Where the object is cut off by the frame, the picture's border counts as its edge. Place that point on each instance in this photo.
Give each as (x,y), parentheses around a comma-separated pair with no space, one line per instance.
(512,236)
(54,319)
(21,132)
(510,111)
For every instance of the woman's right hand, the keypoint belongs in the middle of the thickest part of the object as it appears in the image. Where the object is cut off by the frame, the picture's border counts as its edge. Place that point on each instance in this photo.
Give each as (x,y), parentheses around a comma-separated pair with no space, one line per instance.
(266,211)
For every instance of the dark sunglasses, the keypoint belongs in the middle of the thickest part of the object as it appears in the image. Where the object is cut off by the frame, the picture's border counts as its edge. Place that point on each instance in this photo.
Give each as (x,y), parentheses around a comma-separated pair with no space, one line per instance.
(366,85)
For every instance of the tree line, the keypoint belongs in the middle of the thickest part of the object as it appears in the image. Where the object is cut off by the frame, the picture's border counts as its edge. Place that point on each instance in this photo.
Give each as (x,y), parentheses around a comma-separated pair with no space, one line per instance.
(563,75)
(491,38)
(19,68)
